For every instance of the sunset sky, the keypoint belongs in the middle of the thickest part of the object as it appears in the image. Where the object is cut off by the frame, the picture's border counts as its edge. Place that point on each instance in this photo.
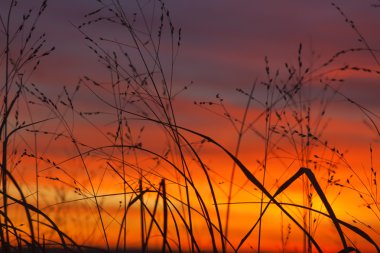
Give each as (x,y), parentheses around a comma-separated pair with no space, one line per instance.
(224,45)
(225,48)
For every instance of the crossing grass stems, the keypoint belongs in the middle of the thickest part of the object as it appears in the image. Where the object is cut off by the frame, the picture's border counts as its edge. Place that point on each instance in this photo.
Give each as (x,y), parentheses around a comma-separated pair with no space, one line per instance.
(140,94)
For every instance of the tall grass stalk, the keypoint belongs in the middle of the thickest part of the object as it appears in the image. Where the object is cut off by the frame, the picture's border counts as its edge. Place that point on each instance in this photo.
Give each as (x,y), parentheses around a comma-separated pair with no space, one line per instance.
(167,190)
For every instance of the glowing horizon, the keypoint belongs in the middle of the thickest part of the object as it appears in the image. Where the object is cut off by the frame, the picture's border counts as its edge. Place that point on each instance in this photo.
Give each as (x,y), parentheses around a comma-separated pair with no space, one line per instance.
(105,128)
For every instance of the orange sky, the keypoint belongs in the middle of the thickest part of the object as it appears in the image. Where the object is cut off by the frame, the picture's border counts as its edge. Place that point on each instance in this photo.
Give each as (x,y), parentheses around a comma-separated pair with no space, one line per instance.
(224,48)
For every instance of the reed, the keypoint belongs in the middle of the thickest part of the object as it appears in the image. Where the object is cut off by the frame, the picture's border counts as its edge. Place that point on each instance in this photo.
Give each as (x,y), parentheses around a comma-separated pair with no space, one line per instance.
(169,195)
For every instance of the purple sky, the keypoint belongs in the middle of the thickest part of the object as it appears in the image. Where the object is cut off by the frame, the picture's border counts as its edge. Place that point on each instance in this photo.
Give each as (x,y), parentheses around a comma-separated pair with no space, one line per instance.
(224,43)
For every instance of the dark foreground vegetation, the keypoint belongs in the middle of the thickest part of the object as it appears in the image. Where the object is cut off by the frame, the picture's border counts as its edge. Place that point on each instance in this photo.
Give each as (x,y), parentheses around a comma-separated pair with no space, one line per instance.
(159,168)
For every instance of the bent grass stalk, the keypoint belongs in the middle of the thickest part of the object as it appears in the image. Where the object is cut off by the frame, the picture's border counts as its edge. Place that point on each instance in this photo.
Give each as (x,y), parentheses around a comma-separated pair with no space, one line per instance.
(140,92)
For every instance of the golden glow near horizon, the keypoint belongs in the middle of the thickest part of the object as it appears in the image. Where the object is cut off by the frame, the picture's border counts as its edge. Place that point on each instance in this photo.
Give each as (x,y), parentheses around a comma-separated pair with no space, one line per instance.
(176,142)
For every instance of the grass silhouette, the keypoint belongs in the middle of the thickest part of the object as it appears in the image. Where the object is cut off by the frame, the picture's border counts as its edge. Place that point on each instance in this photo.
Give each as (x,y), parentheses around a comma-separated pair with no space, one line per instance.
(168,192)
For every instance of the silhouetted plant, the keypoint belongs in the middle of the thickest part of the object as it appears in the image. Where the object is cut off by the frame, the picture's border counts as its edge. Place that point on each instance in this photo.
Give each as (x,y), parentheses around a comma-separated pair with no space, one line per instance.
(159,169)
